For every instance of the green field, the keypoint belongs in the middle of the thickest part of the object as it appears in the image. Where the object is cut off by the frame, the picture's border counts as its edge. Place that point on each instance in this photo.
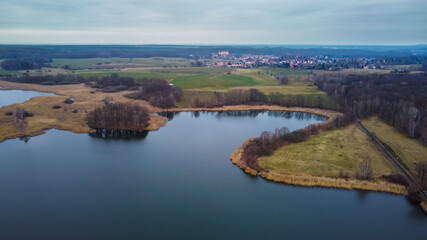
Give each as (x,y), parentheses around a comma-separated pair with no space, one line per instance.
(194,70)
(190,95)
(217,81)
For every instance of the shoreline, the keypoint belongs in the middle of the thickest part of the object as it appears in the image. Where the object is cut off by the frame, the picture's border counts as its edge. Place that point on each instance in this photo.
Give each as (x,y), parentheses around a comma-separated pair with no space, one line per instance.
(306,180)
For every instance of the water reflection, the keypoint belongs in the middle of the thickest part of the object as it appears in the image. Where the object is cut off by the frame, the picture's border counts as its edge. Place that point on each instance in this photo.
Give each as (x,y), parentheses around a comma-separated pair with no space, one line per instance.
(25,138)
(118,134)
(251,113)
(169,115)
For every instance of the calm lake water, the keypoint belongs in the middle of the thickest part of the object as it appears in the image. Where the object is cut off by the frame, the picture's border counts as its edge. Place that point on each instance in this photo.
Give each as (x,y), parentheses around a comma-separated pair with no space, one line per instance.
(178,183)
(8,97)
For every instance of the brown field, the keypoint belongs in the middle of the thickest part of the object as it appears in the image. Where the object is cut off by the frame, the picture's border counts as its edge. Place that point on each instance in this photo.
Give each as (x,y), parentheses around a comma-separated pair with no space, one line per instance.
(64,118)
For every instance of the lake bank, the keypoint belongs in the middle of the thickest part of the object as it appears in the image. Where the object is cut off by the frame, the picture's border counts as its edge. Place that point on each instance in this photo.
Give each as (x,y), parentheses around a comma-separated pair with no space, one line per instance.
(301,179)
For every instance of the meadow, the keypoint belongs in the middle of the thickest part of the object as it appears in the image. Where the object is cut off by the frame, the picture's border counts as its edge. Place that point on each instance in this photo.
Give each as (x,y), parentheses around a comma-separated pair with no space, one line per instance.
(328,154)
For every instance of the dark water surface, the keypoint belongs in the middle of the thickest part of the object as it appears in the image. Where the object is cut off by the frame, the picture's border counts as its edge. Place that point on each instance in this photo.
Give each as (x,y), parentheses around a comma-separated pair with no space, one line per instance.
(8,97)
(178,183)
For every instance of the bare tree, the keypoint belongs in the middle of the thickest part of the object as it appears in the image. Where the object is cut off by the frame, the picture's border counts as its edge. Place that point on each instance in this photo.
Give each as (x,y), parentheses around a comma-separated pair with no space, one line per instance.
(421,168)
(364,170)
(265,138)
(19,119)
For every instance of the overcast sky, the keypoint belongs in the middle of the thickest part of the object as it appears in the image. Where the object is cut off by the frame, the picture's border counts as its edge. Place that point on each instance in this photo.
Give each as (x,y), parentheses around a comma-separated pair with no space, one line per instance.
(214,21)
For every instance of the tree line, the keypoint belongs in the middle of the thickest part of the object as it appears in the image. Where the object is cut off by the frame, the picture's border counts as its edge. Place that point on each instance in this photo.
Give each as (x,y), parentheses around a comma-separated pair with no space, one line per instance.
(24,63)
(59,79)
(254,96)
(112,83)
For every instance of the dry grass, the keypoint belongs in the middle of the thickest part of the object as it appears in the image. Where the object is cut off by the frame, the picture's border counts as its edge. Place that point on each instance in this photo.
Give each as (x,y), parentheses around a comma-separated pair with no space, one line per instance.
(236,159)
(408,149)
(328,154)
(64,118)
(424,206)
(315,181)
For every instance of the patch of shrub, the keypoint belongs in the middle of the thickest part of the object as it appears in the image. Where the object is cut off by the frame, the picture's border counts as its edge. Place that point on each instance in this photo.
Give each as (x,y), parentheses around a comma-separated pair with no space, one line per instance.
(8,113)
(413,194)
(69,101)
(56,107)
(395,178)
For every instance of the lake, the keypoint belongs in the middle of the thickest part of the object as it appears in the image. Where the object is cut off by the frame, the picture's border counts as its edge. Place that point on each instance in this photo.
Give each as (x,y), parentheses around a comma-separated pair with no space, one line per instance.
(8,97)
(178,183)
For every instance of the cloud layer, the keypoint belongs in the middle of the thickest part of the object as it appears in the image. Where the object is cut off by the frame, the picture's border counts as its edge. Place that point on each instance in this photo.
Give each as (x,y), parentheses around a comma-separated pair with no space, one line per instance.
(214,22)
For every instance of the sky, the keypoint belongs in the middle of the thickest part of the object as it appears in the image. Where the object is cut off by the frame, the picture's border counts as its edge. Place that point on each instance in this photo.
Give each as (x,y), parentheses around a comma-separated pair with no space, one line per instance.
(330,22)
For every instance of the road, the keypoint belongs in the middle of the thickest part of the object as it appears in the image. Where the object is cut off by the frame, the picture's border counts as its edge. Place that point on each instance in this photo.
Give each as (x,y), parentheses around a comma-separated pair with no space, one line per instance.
(409,178)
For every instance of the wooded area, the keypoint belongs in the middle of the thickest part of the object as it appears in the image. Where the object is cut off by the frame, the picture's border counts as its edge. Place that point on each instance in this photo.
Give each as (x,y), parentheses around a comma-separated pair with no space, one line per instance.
(399,99)
(119,116)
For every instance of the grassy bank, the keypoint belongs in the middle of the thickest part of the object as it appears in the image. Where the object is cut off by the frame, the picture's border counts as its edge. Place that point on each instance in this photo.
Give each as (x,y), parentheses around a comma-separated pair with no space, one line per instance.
(328,154)
(308,180)
(409,150)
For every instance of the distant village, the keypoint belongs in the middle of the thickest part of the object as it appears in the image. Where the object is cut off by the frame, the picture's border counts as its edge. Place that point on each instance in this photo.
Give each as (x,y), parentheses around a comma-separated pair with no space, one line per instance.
(225,59)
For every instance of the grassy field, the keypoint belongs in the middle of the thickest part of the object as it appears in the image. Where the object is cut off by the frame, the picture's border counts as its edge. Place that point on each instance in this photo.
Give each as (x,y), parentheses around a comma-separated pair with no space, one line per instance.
(328,154)
(217,81)
(5,72)
(409,150)
(189,95)
(194,70)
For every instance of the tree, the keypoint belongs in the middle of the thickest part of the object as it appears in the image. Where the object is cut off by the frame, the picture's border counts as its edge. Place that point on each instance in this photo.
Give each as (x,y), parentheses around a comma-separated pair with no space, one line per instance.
(413,194)
(421,168)
(19,119)
(364,170)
